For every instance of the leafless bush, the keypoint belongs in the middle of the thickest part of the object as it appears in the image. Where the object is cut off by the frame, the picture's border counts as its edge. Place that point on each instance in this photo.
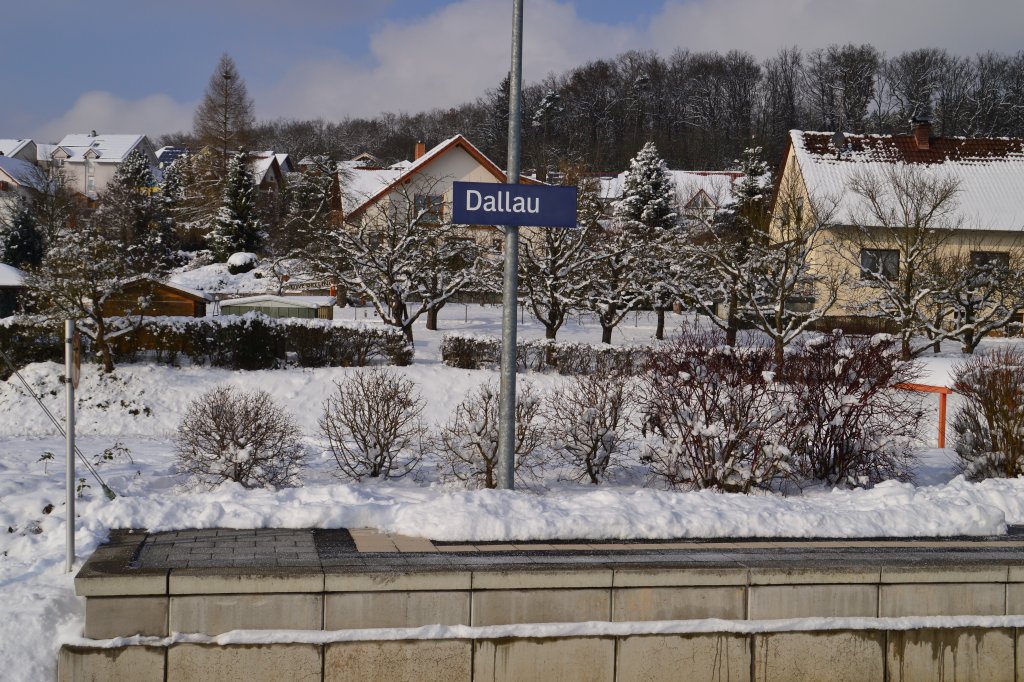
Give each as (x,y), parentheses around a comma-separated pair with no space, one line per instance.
(851,425)
(586,418)
(232,435)
(468,443)
(990,421)
(713,415)
(372,424)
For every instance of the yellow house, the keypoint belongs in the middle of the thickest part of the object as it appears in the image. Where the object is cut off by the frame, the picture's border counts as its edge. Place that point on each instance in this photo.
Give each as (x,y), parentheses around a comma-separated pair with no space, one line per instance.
(885,199)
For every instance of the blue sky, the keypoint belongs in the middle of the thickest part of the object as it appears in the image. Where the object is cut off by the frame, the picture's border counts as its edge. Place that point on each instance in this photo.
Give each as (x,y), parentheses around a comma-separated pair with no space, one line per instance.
(120,66)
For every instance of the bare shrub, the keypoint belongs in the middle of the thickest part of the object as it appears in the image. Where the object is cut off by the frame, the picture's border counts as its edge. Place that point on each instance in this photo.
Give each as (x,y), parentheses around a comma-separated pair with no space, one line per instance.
(372,424)
(713,416)
(852,426)
(587,419)
(468,443)
(989,423)
(233,435)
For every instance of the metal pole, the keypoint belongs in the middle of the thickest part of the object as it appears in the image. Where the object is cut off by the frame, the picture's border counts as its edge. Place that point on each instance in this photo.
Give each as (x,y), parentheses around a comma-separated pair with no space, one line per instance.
(507,404)
(69,432)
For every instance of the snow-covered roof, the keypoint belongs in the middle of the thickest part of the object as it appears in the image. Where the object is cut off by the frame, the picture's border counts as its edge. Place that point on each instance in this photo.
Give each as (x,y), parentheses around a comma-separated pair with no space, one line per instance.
(261,164)
(11,276)
(989,172)
(11,147)
(717,185)
(312,302)
(285,162)
(362,187)
(109,148)
(359,184)
(21,172)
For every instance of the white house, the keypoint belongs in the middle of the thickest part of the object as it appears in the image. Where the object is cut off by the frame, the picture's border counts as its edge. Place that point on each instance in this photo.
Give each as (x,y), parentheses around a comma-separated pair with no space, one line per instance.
(91,160)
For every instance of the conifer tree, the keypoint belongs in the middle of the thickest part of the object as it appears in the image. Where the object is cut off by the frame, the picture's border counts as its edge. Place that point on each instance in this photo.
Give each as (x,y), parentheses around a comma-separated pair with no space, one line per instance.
(129,209)
(21,241)
(237,226)
(313,206)
(648,215)
(224,120)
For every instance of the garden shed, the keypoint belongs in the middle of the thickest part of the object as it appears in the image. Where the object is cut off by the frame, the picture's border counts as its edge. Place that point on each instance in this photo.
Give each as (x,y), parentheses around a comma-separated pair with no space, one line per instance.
(314,307)
(164,299)
(12,283)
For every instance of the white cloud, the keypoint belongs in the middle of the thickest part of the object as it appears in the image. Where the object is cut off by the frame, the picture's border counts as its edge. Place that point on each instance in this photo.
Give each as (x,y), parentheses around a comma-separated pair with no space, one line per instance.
(893,26)
(448,58)
(98,110)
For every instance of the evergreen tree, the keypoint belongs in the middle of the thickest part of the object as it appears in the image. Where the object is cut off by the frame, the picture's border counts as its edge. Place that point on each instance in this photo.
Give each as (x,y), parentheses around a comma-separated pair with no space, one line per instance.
(224,120)
(313,205)
(130,211)
(648,213)
(237,226)
(21,242)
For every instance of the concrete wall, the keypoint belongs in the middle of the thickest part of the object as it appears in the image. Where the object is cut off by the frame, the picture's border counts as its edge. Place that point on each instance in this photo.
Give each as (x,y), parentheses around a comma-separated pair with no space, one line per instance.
(929,655)
(211,602)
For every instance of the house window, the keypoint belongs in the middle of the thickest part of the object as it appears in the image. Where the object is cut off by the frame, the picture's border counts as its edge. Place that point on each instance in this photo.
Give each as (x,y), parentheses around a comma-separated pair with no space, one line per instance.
(5,186)
(90,175)
(990,259)
(875,263)
(432,204)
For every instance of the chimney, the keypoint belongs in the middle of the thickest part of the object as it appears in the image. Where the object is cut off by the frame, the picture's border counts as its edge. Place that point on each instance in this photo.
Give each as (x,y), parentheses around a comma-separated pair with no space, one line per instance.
(922,130)
(421,149)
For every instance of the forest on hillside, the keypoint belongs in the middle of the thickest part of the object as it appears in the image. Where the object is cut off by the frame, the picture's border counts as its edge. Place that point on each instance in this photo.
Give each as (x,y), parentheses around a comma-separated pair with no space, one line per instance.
(700,109)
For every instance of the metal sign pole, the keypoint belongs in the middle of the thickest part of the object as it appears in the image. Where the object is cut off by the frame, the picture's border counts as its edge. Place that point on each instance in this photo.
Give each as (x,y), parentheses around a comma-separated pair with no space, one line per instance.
(507,404)
(69,432)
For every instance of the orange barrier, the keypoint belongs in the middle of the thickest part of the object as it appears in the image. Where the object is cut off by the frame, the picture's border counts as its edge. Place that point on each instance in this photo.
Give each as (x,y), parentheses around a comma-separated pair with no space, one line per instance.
(943,391)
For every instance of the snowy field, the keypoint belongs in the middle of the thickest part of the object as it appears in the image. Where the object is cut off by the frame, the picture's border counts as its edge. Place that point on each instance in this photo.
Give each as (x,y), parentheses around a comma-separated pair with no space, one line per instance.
(139,407)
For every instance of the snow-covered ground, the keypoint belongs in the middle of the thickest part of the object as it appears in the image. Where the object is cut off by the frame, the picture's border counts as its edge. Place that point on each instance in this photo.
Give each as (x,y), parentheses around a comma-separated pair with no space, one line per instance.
(139,407)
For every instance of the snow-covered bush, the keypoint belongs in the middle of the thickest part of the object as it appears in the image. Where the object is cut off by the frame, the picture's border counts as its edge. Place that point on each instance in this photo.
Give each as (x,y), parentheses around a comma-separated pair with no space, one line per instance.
(468,442)
(372,424)
(232,435)
(471,351)
(989,423)
(713,415)
(587,418)
(255,341)
(851,426)
(241,262)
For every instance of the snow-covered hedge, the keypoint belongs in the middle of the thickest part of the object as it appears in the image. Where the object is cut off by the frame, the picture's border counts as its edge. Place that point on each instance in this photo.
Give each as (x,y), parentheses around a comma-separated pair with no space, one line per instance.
(250,341)
(474,351)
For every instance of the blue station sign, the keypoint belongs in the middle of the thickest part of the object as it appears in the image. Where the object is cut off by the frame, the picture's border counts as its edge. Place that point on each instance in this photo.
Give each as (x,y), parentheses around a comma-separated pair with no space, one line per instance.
(491,203)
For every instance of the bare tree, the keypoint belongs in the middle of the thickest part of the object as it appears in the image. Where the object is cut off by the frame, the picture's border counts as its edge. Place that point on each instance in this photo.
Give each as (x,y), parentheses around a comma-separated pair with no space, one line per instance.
(553,263)
(224,119)
(232,435)
(906,217)
(468,443)
(977,292)
(372,424)
(404,255)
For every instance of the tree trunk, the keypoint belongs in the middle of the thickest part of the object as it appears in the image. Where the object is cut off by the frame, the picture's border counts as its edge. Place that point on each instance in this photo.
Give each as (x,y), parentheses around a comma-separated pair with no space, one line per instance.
(102,346)
(659,331)
(432,317)
(550,331)
(732,319)
(780,359)
(407,330)
(606,334)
